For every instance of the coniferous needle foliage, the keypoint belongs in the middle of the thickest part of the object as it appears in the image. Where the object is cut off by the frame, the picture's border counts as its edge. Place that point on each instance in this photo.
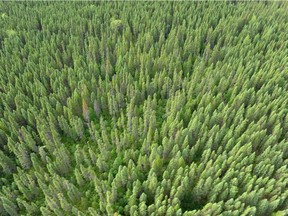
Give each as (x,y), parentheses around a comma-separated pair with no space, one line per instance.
(143,108)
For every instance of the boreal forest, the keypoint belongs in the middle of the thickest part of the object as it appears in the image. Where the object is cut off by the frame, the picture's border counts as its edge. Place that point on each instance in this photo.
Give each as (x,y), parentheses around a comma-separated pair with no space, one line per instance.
(144,108)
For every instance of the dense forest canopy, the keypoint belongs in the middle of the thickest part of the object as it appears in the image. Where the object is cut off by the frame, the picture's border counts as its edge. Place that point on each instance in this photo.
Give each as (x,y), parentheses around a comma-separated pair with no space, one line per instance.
(143,108)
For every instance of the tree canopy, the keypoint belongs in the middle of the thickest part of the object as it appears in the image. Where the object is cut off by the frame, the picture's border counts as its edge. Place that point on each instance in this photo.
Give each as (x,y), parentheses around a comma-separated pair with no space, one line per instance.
(143,108)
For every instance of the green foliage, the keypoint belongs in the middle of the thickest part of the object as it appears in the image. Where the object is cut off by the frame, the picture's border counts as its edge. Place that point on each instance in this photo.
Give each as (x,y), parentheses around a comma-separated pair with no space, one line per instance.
(143,108)
(117,24)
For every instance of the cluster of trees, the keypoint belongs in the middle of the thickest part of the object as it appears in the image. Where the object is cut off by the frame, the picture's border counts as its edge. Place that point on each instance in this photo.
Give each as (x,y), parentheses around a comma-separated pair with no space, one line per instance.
(143,108)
